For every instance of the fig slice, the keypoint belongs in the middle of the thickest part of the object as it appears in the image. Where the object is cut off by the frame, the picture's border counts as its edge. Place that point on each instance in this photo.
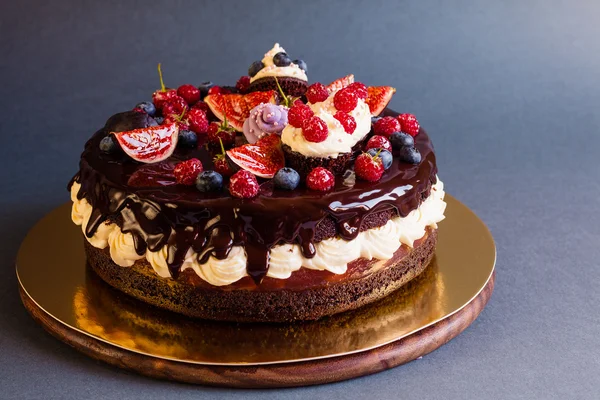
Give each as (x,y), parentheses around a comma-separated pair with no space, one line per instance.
(149,145)
(264,158)
(378,98)
(340,83)
(236,107)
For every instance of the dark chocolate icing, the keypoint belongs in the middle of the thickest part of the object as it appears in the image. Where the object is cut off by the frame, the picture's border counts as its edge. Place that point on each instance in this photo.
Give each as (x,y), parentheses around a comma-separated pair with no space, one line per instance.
(179,215)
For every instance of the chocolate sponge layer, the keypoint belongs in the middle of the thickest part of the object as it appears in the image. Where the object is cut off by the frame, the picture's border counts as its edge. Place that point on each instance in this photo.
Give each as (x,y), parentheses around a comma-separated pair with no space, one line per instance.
(290,86)
(243,305)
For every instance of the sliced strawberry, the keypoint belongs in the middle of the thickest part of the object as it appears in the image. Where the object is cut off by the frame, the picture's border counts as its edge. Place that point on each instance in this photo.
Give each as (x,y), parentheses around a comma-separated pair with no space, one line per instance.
(340,83)
(153,175)
(378,98)
(149,145)
(264,158)
(236,107)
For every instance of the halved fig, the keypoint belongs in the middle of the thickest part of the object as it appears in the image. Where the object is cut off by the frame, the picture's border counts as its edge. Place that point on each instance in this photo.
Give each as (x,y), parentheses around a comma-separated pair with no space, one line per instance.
(236,107)
(264,158)
(149,145)
(378,98)
(340,83)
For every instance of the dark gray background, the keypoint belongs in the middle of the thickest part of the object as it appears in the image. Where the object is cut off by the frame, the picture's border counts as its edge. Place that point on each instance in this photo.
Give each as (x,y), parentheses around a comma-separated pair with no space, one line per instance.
(509,91)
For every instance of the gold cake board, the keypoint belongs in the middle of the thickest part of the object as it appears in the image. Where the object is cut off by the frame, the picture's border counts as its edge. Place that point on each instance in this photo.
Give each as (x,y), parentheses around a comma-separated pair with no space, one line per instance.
(74,305)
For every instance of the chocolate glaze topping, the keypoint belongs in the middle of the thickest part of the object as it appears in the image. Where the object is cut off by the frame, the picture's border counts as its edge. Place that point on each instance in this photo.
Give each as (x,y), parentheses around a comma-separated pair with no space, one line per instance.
(158,212)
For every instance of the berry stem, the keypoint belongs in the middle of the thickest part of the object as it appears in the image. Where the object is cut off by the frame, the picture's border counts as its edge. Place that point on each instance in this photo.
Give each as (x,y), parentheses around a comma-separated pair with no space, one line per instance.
(162,84)
(287,101)
(222,147)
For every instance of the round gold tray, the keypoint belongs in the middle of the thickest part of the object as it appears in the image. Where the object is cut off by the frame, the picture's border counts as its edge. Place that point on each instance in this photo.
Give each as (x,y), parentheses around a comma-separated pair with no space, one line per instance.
(76,306)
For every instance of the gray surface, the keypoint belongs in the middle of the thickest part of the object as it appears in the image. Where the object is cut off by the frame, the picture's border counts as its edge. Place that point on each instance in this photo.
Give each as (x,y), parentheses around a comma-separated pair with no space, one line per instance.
(509,91)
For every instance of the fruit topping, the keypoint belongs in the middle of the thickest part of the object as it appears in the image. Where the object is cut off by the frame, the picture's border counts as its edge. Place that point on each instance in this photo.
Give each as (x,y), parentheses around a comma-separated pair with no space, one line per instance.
(360,89)
(209,181)
(201,106)
(236,106)
(180,120)
(347,121)
(204,87)
(243,185)
(187,139)
(197,120)
(149,145)
(221,163)
(369,167)
(187,171)
(409,124)
(264,158)
(410,155)
(243,84)
(301,64)
(153,175)
(320,179)
(345,100)
(299,113)
(386,126)
(176,105)
(286,179)
(315,129)
(340,83)
(163,94)
(108,145)
(378,98)
(146,107)
(129,120)
(379,142)
(281,59)
(221,134)
(401,139)
(316,93)
(255,67)
(190,93)
(386,157)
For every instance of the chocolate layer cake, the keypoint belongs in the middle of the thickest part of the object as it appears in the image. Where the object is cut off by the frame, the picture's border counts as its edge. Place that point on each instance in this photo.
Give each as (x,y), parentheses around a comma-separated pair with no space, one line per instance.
(168,220)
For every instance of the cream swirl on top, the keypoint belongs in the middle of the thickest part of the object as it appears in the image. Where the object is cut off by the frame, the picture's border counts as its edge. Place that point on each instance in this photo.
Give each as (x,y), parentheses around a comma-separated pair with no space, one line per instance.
(265,119)
(270,69)
(338,141)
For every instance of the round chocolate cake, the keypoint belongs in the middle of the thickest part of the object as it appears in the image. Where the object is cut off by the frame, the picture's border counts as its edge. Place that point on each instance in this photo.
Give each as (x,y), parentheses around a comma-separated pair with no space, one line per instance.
(257,205)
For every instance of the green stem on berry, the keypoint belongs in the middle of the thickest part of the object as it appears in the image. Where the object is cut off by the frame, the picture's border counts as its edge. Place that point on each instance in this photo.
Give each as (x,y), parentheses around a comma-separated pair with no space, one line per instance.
(286,100)
(222,147)
(162,84)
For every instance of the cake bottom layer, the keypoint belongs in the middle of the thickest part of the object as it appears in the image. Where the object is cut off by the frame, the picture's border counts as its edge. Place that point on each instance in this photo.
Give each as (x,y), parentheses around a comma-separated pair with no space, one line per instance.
(215,303)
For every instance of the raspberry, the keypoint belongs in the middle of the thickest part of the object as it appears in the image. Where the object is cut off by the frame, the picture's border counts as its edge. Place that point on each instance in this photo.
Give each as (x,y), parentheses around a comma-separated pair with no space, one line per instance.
(316,92)
(379,142)
(409,124)
(320,179)
(197,120)
(243,185)
(243,84)
(221,131)
(189,93)
(216,90)
(315,129)
(386,126)
(345,100)
(176,105)
(347,121)
(187,171)
(201,106)
(299,113)
(360,89)
(368,167)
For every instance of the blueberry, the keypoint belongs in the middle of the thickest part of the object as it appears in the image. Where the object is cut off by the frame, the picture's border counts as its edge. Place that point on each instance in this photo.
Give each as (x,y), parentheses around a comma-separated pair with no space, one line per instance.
(401,139)
(159,120)
(301,64)
(187,139)
(209,181)
(152,122)
(287,179)
(375,119)
(386,157)
(281,59)
(204,88)
(108,145)
(255,67)
(410,155)
(147,107)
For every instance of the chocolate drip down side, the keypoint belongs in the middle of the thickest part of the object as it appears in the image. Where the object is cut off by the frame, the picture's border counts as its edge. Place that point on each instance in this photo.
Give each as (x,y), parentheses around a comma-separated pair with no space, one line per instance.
(212,223)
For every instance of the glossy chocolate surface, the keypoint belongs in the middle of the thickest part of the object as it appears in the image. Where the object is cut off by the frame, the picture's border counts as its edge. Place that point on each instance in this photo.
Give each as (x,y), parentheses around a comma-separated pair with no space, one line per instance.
(157,211)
